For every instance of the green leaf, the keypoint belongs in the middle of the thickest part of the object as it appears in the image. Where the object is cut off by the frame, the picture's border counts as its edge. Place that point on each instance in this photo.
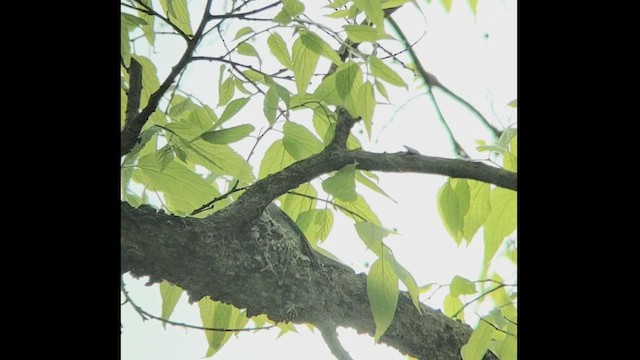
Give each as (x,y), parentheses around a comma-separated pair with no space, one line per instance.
(284,94)
(479,208)
(183,189)
(513,103)
(370,184)
(478,343)
(381,89)
(275,159)
(395,3)
(198,121)
(461,187)
(228,136)
(500,222)
(452,306)
(348,82)
(241,87)
(248,50)
(279,49)
(270,105)
(362,33)
(220,159)
(215,314)
(170,295)
(383,72)
(179,106)
(233,108)
(474,7)
(324,223)
(327,91)
(254,76)
(339,14)
(371,235)
(314,43)
(300,142)
(342,185)
(367,105)
(303,101)
(337,3)
(150,82)
(373,11)
(148,29)
(449,210)
(242,32)
(447,4)
(304,64)
(510,160)
(461,286)
(382,290)
(323,119)
(132,21)
(406,278)
(508,349)
(178,13)
(306,223)
(294,204)
(293,7)
(227,89)
(359,207)
(282,17)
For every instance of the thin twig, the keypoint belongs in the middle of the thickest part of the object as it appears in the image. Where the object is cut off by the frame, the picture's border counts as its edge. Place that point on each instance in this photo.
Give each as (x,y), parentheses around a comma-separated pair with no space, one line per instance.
(328,202)
(476,299)
(145,314)
(330,337)
(457,148)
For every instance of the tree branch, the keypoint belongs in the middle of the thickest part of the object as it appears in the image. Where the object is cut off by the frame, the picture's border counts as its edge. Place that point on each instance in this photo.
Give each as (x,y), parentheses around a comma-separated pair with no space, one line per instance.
(131,130)
(432,81)
(135,89)
(268,268)
(330,337)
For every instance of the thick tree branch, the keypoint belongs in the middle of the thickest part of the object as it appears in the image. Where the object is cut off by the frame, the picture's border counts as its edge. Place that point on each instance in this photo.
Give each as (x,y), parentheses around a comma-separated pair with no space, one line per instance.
(330,336)
(268,268)
(131,130)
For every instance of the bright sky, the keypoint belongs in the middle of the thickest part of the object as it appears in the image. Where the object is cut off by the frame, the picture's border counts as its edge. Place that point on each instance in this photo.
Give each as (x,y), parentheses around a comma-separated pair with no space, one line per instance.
(480,69)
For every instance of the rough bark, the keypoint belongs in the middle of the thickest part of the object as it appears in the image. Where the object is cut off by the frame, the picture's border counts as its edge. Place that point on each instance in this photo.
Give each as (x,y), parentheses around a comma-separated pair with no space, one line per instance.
(266,266)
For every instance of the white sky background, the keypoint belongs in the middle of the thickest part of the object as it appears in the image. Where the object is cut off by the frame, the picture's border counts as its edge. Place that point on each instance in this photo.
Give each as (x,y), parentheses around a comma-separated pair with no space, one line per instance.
(480,70)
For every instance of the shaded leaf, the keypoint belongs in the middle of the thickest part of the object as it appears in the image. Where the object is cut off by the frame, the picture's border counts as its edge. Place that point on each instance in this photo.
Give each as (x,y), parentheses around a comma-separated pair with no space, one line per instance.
(170,295)
(228,136)
(314,43)
(383,72)
(300,142)
(382,290)
(233,108)
(342,185)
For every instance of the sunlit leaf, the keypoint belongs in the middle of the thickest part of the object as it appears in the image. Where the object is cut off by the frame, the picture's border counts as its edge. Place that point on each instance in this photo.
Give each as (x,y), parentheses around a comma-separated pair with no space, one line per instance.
(449,210)
(381,89)
(382,290)
(383,72)
(370,184)
(170,295)
(303,64)
(339,14)
(461,286)
(513,103)
(478,343)
(447,4)
(337,3)
(217,315)
(348,82)
(242,32)
(367,105)
(452,306)
(373,11)
(324,223)
(294,204)
(406,278)
(279,49)
(187,188)
(371,235)
(254,76)
(306,223)
(361,33)
(479,208)
(359,207)
(227,89)
(300,142)
(293,7)
(394,3)
(220,159)
(474,7)
(248,50)
(327,91)
(275,159)
(500,222)
(228,136)
(342,185)
(148,29)
(150,82)
(178,13)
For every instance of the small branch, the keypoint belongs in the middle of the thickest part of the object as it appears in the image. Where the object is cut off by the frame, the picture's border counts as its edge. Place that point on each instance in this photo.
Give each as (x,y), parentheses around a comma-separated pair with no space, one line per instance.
(476,299)
(329,202)
(457,148)
(242,15)
(135,89)
(209,205)
(145,314)
(330,337)
(495,327)
(129,135)
(149,10)
(432,81)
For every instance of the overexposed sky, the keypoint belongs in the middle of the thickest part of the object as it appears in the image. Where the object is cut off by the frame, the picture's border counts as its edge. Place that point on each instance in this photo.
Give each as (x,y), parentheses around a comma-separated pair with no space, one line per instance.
(456,48)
